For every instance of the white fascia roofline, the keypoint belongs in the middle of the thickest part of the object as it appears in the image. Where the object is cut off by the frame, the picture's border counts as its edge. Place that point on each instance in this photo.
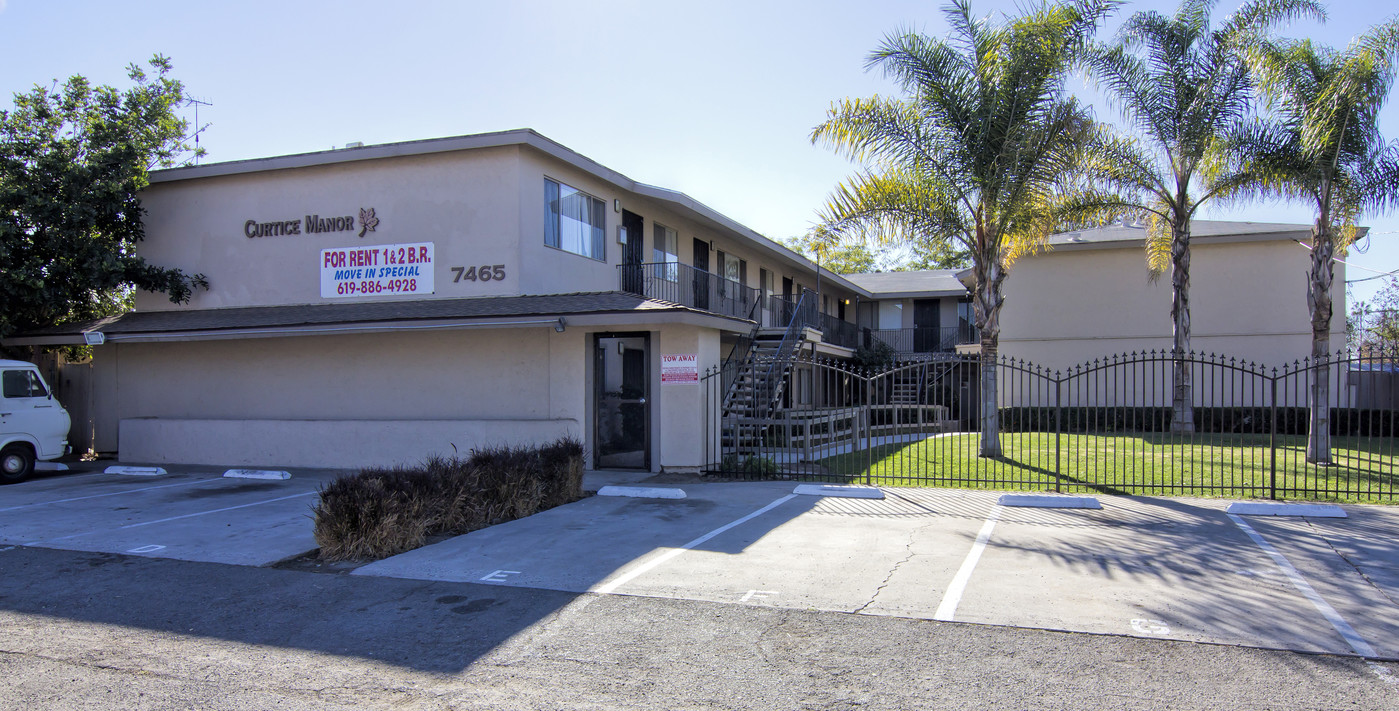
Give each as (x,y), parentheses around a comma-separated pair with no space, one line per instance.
(567,321)
(524,136)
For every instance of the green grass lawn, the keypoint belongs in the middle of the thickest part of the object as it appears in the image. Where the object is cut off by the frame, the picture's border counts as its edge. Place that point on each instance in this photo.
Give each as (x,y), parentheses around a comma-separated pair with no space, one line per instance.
(1195,465)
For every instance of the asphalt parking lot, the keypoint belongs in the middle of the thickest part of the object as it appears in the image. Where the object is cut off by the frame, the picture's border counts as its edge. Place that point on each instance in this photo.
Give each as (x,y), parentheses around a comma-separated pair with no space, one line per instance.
(1147,567)
(188,513)
(1167,568)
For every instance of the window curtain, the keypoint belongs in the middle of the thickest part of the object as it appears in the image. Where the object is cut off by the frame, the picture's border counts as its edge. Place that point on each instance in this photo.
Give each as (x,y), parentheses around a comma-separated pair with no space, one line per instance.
(598,219)
(551,213)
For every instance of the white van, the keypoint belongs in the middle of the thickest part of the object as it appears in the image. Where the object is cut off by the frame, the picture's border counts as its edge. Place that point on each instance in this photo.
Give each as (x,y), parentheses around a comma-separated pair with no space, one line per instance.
(33,426)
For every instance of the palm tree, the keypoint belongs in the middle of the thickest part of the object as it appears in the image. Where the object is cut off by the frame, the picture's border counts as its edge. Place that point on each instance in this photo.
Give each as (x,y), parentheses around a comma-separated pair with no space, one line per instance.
(1186,89)
(972,152)
(1323,146)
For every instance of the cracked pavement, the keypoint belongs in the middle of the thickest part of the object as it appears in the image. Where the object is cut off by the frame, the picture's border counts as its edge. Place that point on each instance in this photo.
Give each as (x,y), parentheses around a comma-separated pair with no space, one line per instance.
(84,629)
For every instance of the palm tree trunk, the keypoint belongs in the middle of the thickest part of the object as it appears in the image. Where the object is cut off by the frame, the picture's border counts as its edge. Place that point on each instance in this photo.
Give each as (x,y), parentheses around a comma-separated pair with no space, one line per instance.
(990,415)
(1182,407)
(1319,301)
(989,275)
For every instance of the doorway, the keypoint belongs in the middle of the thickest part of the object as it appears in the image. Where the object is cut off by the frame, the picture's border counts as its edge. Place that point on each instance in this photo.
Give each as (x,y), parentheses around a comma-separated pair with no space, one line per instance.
(621,401)
(701,274)
(927,325)
(632,231)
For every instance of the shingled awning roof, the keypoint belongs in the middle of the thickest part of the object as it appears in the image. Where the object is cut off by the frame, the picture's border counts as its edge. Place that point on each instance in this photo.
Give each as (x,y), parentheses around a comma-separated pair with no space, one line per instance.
(359,316)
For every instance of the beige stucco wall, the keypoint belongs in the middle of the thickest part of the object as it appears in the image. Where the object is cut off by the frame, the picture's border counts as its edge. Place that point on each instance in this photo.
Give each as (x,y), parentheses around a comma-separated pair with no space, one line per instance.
(556,271)
(477,207)
(380,399)
(418,392)
(678,417)
(1248,300)
(463,206)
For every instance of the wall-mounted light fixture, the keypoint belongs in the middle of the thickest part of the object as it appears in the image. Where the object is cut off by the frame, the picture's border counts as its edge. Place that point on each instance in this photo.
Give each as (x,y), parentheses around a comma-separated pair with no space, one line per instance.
(558,327)
(616,205)
(94,338)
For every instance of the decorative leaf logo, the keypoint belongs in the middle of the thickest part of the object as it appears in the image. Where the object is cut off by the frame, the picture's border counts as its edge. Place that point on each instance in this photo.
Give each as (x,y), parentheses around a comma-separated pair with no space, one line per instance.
(367,220)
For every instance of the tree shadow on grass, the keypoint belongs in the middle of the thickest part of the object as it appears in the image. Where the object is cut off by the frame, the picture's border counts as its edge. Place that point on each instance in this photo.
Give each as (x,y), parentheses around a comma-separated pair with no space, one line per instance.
(1064,479)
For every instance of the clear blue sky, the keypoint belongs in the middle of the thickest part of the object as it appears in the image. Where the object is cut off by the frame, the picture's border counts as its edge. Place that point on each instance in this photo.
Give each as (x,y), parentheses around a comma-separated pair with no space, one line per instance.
(715,99)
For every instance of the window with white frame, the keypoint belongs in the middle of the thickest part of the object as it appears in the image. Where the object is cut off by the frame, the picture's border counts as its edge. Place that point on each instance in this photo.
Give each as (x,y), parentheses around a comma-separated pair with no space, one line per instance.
(733,272)
(665,253)
(574,221)
(735,269)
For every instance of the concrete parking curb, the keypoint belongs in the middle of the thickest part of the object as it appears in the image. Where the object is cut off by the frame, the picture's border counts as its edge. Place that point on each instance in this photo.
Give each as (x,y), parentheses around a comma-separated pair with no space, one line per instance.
(256,474)
(642,492)
(1265,508)
(1049,501)
(135,471)
(839,491)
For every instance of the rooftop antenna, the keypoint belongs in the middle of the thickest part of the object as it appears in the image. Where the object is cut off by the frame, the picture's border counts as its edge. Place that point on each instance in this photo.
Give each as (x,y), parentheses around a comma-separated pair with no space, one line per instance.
(197,128)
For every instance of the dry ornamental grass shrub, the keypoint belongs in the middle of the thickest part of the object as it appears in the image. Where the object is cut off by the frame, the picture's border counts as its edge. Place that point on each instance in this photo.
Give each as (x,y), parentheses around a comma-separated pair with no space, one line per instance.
(376,513)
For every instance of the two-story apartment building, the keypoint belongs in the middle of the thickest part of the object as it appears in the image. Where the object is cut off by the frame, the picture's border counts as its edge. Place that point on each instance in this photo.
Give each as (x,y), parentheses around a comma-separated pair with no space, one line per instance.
(378,304)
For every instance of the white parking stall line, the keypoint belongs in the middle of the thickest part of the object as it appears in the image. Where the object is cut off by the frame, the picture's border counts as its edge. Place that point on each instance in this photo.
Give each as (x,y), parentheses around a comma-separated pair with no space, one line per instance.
(99,496)
(1347,632)
(228,508)
(947,610)
(651,564)
(177,518)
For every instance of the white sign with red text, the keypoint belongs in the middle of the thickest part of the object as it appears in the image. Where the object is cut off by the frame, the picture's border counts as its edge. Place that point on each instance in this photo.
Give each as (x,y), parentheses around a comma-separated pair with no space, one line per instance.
(379,270)
(680,369)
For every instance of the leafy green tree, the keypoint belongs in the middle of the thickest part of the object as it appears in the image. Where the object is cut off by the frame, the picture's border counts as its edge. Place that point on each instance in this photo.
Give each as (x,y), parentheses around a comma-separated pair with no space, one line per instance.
(1323,146)
(841,258)
(973,150)
(1185,87)
(856,257)
(1374,325)
(936,254)
(72,160)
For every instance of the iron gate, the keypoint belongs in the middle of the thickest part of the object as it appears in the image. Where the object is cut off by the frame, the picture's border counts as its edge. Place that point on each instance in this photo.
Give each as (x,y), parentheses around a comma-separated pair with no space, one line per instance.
(1114,425)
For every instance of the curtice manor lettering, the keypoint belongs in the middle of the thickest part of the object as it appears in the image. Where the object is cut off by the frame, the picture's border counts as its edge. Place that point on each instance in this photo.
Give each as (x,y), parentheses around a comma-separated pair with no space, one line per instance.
(312,224)
(316,223)
(254,229)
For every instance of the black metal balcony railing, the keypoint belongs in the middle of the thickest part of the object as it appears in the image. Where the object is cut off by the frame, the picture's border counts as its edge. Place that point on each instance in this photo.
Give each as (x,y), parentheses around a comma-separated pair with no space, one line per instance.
(839,332)
(921,340)
(685,285)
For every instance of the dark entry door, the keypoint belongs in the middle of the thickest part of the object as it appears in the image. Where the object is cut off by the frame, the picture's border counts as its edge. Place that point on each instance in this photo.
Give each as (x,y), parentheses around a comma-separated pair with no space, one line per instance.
(621,398)
(632,252)
(701,274)
(788,310)
(927,325)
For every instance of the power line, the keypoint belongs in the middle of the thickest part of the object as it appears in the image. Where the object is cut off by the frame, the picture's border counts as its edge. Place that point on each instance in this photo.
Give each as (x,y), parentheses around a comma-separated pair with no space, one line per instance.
(1378,274)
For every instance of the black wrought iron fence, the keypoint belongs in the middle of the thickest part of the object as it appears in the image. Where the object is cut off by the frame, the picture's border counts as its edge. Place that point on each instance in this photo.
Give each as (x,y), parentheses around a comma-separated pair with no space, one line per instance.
(1111,425)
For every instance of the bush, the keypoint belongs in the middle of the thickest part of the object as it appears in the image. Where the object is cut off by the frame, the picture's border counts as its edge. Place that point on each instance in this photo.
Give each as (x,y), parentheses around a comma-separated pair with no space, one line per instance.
(376,513)
(875,355)
(763,467)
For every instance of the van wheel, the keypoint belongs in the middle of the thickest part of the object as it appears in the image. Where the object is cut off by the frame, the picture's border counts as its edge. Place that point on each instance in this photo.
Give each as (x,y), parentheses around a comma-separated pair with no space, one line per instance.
(16,464)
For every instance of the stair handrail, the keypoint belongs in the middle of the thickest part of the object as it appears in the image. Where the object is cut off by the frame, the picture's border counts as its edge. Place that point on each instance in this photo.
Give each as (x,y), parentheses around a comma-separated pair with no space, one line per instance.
(802,317)
(737,358)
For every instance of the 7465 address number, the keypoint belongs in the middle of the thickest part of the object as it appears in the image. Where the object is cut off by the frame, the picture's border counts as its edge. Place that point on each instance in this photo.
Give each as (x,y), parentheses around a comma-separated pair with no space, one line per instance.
(485,272)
